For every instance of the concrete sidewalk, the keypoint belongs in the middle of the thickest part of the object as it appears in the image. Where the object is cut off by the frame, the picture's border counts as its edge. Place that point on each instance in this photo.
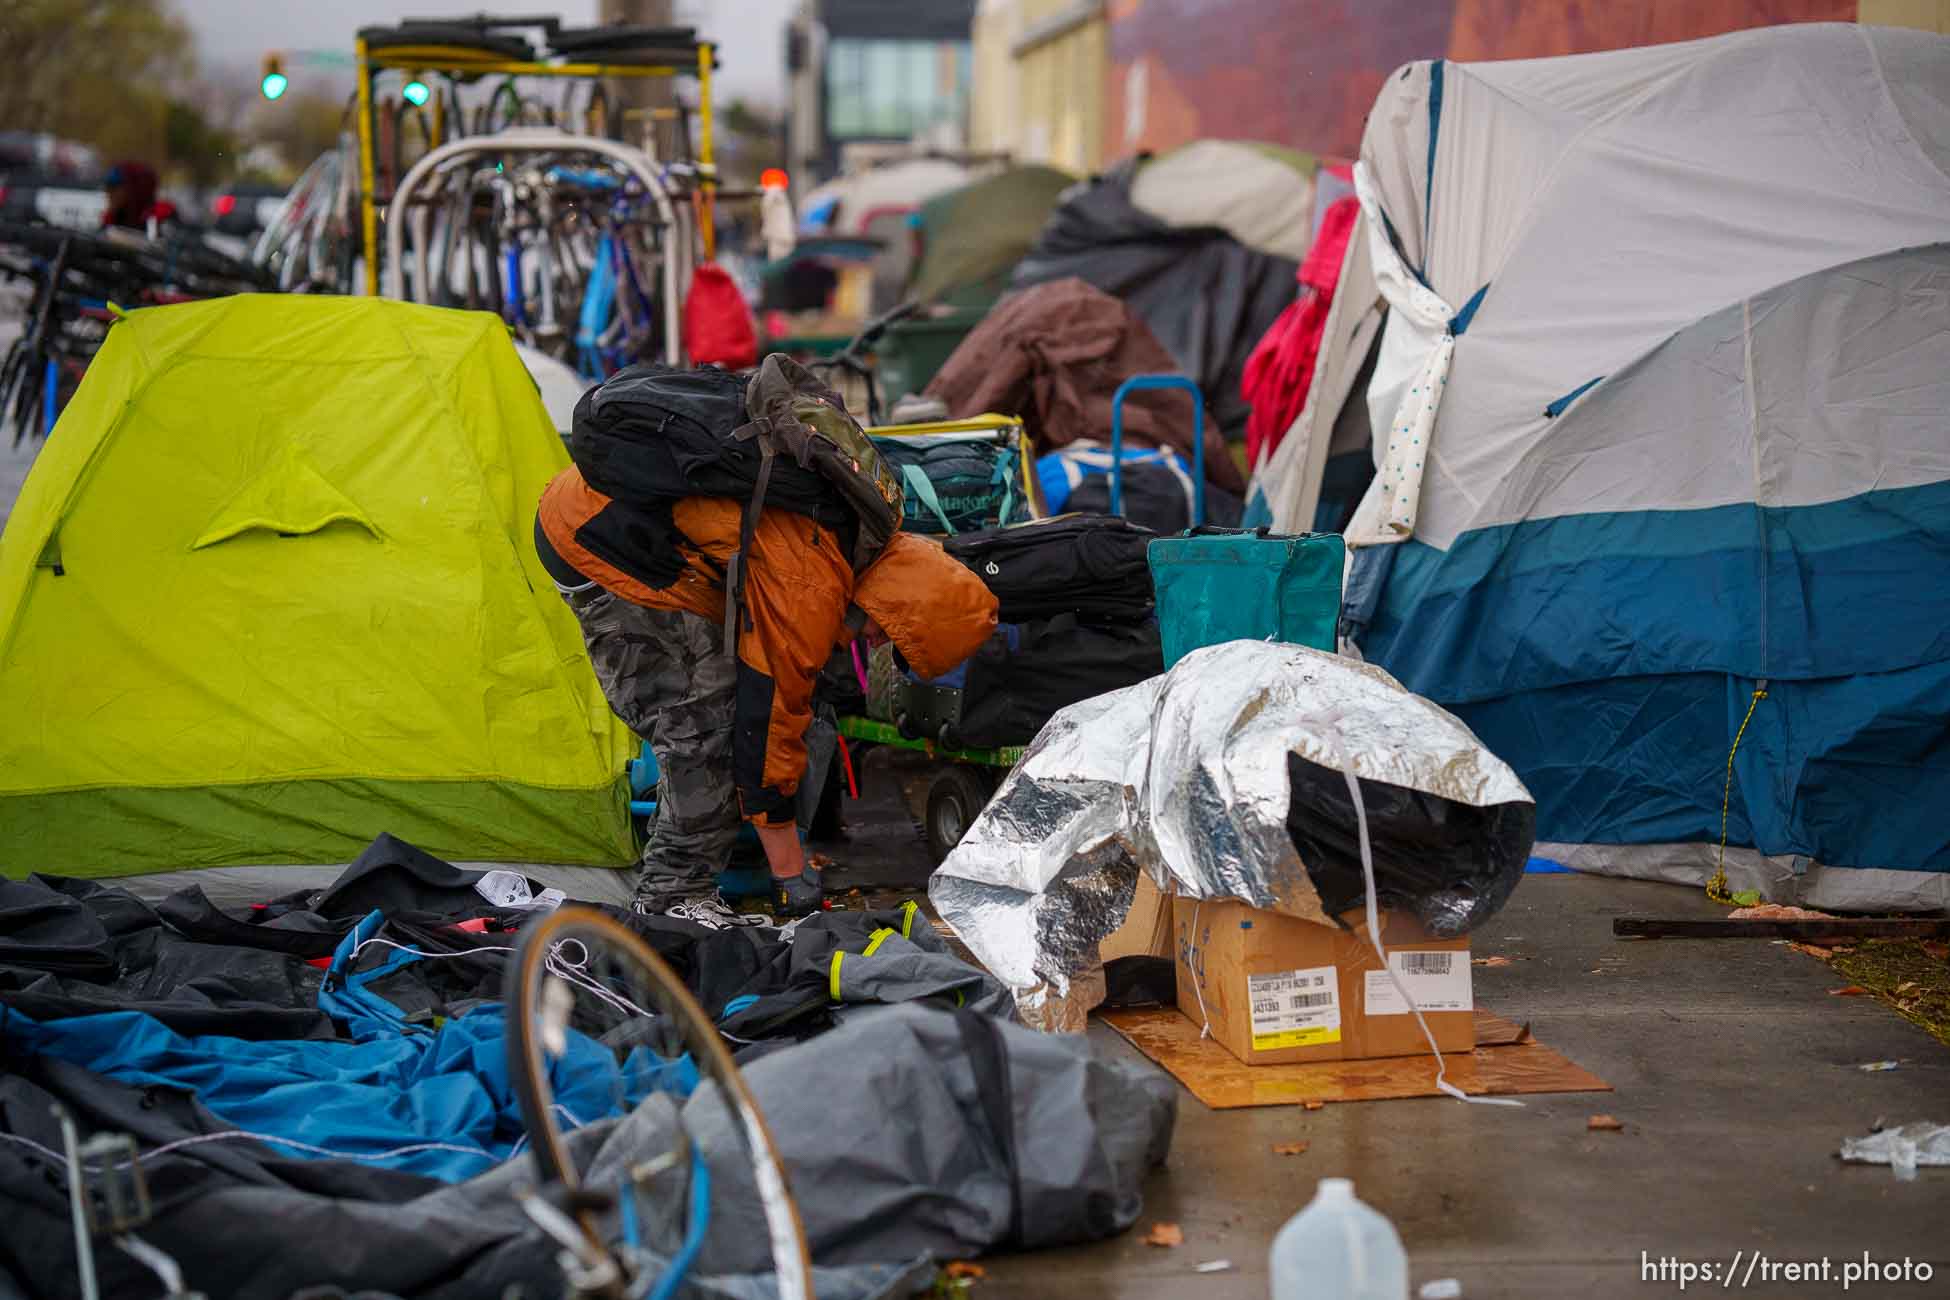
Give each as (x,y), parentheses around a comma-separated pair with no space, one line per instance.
(1734,1074)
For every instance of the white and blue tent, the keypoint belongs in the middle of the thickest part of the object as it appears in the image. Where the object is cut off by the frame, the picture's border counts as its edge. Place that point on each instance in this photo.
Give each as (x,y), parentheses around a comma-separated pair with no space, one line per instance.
(1660,427)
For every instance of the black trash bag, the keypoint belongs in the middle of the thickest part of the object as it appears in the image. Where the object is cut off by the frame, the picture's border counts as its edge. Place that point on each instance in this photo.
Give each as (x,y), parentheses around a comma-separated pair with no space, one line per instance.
(1451,865)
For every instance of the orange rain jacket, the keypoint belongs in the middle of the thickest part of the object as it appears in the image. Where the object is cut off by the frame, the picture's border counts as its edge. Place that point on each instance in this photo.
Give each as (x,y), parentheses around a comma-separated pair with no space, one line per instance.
(798,586)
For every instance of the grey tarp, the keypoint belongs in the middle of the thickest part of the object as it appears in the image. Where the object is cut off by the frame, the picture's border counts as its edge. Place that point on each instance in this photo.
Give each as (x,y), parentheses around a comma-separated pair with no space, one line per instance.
(1004,1137)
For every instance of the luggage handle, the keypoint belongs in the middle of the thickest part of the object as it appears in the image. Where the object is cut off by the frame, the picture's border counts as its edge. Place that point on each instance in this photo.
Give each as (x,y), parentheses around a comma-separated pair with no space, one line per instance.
(1262,531)
(1137,383)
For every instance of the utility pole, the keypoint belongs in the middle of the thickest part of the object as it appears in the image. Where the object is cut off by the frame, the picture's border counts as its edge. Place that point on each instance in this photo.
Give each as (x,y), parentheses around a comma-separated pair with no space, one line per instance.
(640,98)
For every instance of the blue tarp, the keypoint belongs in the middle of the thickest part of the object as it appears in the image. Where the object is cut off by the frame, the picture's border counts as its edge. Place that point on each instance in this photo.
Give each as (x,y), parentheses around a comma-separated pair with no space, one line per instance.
(433,1101)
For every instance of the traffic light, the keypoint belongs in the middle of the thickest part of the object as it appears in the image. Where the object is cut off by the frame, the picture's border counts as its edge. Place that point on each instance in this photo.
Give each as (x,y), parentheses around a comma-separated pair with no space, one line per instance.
(415,92)
(274,83)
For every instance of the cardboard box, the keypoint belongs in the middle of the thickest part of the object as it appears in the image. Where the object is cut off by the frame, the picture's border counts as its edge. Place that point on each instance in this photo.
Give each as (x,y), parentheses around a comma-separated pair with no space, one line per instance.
(1146,931)
(1277,990)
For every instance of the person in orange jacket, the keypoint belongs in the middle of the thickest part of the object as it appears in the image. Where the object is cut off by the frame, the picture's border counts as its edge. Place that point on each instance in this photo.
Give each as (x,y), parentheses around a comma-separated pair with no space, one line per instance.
(729,732)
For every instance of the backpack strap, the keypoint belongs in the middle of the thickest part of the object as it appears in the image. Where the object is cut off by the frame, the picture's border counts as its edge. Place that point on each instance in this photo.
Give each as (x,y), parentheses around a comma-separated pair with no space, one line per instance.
(734,583)
(922,486)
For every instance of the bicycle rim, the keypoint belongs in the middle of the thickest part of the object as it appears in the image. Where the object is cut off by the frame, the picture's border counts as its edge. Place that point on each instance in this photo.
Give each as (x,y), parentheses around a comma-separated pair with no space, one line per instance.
(589,955)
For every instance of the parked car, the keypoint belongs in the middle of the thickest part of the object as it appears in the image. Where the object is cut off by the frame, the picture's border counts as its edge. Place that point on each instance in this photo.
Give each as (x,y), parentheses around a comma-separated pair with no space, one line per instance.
(245,209)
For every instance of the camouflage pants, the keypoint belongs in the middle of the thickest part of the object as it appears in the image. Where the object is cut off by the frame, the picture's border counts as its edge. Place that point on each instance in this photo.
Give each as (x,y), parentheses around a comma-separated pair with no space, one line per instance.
(666,674)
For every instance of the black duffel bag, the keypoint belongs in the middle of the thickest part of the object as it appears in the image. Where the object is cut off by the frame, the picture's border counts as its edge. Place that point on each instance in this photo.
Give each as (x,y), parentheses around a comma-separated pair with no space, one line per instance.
(1023,674)
(1092,566)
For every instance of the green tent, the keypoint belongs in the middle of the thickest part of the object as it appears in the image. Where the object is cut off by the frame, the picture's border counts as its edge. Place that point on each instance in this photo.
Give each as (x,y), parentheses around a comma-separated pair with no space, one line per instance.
(972,237)
(270,590)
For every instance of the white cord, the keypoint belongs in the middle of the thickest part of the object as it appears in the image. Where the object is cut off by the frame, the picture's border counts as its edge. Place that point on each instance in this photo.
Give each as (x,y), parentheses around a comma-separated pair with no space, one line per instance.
(555,964)
(268,1138)
(1332,723)
(1198,977)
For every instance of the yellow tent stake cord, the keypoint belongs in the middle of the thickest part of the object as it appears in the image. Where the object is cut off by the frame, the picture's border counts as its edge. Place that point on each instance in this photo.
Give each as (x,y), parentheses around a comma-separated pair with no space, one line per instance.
(1716,888)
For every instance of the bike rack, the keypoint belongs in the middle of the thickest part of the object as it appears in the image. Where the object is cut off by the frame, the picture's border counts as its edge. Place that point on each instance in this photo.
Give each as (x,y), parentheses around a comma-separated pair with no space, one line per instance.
(406,205)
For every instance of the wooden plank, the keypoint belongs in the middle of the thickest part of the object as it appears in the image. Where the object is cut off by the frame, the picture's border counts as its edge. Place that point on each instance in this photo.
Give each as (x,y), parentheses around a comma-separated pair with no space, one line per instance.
(1805,931)
(1506,1061)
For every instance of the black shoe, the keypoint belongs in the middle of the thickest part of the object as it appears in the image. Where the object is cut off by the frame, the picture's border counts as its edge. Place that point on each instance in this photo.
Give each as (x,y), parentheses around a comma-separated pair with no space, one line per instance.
(799,895)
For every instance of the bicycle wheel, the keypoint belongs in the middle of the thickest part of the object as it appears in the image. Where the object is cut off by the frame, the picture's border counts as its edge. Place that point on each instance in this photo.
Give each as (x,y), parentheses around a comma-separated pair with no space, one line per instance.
(598,1024)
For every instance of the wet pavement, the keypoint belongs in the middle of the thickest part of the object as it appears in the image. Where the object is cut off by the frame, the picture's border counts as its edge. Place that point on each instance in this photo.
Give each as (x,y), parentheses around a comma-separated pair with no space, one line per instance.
(1736,1079)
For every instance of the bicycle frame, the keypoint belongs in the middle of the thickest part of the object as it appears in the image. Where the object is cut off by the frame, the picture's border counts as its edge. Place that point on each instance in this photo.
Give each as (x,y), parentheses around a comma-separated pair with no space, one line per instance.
(410,206)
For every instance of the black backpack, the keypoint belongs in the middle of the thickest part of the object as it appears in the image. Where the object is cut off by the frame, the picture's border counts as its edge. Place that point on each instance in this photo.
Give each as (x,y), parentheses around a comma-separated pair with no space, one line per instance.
(652,435)
(656,434)
(1093,566)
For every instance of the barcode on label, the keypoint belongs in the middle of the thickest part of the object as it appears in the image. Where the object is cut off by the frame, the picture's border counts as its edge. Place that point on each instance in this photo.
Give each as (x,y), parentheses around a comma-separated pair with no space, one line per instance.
(1426,963)
(1303,1000)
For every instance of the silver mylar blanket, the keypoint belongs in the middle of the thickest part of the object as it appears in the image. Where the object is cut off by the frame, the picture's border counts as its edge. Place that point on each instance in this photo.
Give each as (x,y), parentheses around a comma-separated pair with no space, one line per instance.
(1184,776)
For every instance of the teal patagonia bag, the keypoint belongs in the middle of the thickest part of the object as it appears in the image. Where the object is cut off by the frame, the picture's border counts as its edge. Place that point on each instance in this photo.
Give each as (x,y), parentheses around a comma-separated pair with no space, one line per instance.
(956,482)
(1227,584)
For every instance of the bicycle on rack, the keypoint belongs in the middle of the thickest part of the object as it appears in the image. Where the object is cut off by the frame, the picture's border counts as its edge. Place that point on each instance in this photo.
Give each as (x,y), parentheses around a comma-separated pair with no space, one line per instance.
(598,1024)
(851,360)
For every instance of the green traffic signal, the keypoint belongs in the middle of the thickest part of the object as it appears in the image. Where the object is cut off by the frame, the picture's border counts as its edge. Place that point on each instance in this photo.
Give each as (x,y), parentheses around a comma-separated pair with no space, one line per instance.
(415,93)
(274,84)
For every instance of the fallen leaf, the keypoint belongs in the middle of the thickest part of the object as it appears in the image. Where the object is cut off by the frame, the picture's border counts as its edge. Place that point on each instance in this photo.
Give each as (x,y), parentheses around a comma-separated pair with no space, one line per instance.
(1605,1123)
(963,1268)
(1812,949)
(1489,961)
(1937,948)
(1905,987)
(1848,991)
(1164,1234)
(1313,1105)
(1289,1148)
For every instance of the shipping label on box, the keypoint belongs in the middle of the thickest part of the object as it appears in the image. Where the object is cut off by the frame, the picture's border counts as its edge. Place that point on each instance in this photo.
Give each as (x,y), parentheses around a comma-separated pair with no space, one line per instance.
(1438,981)
(1295,1008)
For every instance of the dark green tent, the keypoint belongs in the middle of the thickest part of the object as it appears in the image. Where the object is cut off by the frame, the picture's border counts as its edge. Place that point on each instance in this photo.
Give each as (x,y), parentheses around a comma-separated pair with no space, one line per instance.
(972,237)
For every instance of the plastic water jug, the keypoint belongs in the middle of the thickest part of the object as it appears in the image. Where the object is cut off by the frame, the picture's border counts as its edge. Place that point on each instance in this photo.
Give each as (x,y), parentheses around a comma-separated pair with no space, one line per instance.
(1339,1249)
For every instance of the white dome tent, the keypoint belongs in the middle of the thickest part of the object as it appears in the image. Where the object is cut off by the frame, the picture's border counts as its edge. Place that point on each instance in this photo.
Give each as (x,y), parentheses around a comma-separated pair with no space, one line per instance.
(1662,442)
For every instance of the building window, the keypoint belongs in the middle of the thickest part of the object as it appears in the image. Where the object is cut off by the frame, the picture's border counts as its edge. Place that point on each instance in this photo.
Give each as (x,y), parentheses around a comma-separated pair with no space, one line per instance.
(890,89)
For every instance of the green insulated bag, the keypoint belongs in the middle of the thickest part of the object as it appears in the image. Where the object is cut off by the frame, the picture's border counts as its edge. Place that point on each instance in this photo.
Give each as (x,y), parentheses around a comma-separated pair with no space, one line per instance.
(1225,584)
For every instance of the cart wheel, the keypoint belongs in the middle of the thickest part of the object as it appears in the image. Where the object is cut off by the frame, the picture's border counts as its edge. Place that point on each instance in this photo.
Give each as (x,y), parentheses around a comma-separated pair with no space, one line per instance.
(954,800)
(905,726)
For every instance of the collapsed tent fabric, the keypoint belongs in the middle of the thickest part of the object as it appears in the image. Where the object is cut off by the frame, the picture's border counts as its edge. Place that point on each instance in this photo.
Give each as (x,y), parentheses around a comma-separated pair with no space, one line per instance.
(321,1099)
(1662,462)
(270,591)
(1054,354)
(1029,1141)
(1100,235)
